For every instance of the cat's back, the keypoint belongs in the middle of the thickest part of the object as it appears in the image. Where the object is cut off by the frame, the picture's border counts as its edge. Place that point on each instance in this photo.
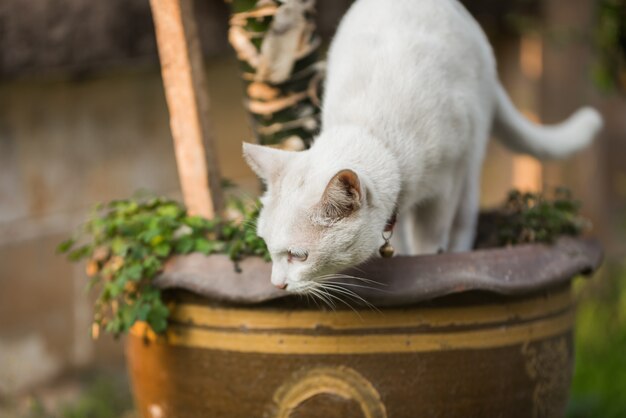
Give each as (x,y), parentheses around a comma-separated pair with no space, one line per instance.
(414,15)
(403,51)
(373,23)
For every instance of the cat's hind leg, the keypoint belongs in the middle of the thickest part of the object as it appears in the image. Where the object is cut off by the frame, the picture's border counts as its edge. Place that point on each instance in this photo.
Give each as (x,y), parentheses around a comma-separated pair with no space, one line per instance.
(427,227)
(463,231)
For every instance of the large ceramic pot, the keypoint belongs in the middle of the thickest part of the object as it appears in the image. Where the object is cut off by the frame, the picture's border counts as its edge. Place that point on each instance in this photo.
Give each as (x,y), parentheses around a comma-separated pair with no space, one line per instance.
(494,347)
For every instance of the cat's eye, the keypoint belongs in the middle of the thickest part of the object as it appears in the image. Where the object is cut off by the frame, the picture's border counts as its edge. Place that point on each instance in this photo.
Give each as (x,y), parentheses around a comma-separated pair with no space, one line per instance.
(297,255)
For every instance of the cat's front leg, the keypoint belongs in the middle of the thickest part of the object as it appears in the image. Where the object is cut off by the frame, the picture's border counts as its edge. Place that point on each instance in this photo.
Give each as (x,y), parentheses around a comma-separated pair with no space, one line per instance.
(402,238)
(426,227)
(463,230)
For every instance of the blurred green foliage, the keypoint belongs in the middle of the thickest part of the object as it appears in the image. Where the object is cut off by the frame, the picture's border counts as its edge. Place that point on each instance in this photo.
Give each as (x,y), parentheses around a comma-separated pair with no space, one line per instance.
(102,399)
(610,43)
(126,243)
(606,37)
(538,217)
(102,395)
(600,372)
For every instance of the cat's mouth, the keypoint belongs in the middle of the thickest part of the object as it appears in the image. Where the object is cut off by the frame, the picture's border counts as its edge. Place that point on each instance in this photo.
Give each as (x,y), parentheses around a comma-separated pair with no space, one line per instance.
(333,290)
(301,287)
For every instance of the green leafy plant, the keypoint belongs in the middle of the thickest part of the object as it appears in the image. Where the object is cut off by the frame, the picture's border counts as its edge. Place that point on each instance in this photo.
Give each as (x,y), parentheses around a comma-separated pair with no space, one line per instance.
(610,43)
(126,243)
(536,217)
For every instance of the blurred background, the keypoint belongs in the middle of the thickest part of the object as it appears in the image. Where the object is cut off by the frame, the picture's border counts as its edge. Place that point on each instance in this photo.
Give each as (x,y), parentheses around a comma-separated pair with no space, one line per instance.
(83,119)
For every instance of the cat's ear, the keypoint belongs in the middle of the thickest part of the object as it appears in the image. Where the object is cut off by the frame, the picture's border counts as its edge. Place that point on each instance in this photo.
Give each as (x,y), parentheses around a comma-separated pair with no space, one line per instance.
(343,195)
(266,162)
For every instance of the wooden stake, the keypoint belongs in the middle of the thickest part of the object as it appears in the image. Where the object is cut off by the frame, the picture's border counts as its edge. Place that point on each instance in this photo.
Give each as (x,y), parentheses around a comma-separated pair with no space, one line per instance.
(188,102)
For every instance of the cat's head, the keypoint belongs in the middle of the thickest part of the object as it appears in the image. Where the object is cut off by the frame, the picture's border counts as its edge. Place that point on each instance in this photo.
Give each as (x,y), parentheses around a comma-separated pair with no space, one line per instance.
(316,218)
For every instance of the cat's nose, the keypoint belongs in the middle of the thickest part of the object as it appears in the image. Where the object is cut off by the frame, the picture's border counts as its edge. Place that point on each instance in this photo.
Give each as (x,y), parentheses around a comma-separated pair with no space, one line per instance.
(279,281)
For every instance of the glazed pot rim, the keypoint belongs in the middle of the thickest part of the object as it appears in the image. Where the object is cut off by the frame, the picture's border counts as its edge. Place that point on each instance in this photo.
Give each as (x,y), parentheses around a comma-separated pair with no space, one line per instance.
(517,270)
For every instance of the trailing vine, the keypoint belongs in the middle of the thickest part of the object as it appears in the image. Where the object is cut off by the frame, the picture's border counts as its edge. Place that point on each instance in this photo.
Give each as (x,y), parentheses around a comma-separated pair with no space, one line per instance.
(126,243)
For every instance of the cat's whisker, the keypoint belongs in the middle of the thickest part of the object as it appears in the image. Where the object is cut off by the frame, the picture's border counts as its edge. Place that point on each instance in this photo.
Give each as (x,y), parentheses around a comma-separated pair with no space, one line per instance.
(330,290)
(356,285)
(347,276)
(338,298)
(309,291)
(250,223)
(360,286)
(338,288)
(332,278)
(316,290)
(345,303)
(310,298)
(358,269)
(323,297)
(351,277)
(364,280)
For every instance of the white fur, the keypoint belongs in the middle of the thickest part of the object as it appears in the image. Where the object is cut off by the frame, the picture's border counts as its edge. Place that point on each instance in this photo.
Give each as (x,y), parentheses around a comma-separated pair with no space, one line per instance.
(411,97)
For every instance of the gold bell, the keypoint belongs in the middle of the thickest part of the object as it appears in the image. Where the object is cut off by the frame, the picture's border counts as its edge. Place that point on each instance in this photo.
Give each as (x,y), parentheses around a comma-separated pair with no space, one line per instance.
(386,250)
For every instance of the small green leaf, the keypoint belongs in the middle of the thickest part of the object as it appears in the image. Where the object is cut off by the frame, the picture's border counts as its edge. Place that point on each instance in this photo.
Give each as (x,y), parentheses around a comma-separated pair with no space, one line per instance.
(157,317)
(156,240)
(65,245)
(184,245)
(203,246)
(170,210)
(134,272)
(163,249)
(116,288)
(119,246)
(80,253)
(151,265)
(143,311)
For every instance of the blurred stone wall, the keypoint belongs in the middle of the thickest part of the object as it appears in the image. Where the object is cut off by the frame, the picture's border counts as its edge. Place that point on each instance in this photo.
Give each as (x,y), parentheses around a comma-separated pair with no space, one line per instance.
(80,37)
(64,146)
(83,36)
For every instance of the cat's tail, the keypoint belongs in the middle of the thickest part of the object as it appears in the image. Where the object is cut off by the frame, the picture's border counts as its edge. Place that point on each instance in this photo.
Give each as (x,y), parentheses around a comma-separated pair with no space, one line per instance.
(544,142)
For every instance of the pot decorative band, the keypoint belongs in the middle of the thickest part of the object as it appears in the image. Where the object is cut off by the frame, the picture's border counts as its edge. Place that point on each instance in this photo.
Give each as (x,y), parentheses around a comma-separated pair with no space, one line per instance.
(417,329)
(279,343)
(275,319)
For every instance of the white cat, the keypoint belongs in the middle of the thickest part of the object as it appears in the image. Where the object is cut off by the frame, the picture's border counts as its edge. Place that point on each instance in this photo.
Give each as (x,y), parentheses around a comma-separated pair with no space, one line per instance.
(411,98)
